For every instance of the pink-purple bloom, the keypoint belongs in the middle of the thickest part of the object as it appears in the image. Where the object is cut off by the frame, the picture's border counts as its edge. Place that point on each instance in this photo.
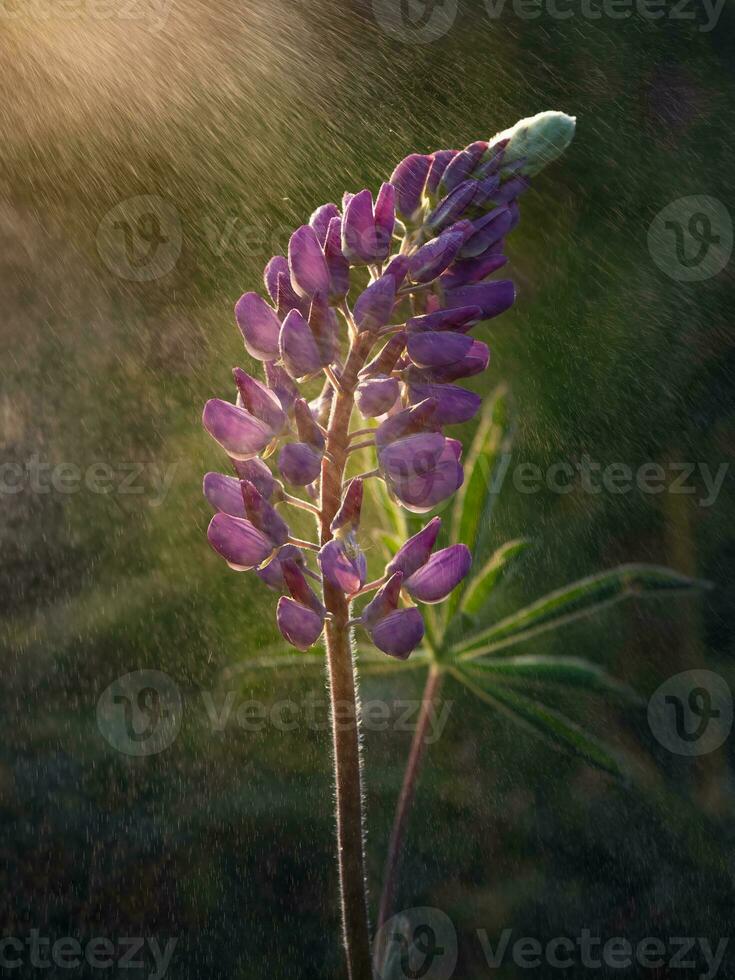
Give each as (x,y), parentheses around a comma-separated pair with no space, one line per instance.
(408,310)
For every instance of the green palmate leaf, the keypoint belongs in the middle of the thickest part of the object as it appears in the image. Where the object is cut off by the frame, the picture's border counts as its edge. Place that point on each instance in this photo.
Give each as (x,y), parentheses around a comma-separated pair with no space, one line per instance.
(560,671)
(485,467)
(579,600)
(482,584)
(553,727)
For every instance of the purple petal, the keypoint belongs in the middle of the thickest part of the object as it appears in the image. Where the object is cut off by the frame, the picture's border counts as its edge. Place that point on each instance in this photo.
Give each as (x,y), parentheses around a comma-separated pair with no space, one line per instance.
(434,257)
(430,350)
(299,625)
(277,266)
(493,298)
(439,163)
(258,473)
(281,385)
(459,169)
(429,482)
(399,633)
(309,432)
(409,180)
(376,396)
(385,220)
(474,362)
(272,573)
(239,433)
(343,565)
(374,307)
(412,456)
(512,189)
(223,493)
(325,328)
(461,318)
(263,515)
(487,231)
(385,360)
(299,463)
(259,326)
(337,264)
(309,273)
(417,418)
(321,219)
(383,602)
(442,572)
(416,551)
(348,514)
(472,270)
(453,404)
(301,591)
(299,352)
(260,401)
(453,206)
(359,239)
(398,269)
(241,544)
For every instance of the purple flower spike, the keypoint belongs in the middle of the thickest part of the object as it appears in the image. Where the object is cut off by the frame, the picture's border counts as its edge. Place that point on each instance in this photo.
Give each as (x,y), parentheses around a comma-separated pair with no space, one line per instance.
(223,494)
(374,307)
(259,475)
(409,180)
(309,272)
(337,264)
(264,516)
(453,404)
(434,257)
(348,515)
(241,544)
(260,401)
(442,572)
(322,218)
(416,551)
(493,298)
(239,433)
(343,564)
(376,396)
(453,206)
(439,163)
(259,326)
(432,350)
(298,624)
(399,633)
(299,352)
(299,463)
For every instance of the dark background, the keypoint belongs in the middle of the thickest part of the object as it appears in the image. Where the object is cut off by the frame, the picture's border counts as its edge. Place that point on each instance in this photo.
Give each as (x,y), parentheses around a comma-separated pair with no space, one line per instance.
(245,117)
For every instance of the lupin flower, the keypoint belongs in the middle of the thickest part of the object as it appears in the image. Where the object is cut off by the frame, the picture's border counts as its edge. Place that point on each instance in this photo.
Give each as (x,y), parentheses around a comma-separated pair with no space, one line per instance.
(459,205)
(390,329)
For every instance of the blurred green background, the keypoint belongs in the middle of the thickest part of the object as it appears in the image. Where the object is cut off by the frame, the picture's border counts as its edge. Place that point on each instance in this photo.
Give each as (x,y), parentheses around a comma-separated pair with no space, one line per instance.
(244,119)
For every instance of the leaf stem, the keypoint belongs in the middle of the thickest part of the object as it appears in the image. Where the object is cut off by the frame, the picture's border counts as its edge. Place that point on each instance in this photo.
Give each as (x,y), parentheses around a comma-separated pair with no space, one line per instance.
(302,504)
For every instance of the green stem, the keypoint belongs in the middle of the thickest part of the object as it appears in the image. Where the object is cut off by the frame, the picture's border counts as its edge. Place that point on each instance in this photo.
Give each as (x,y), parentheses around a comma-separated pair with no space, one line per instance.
(343,687)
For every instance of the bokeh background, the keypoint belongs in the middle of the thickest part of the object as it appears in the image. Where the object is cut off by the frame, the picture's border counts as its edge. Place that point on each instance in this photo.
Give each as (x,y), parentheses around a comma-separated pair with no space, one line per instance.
(244,117)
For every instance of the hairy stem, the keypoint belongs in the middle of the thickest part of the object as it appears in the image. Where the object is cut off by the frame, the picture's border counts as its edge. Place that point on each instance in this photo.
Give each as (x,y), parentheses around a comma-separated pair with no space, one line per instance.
(406,797)
(343,687)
